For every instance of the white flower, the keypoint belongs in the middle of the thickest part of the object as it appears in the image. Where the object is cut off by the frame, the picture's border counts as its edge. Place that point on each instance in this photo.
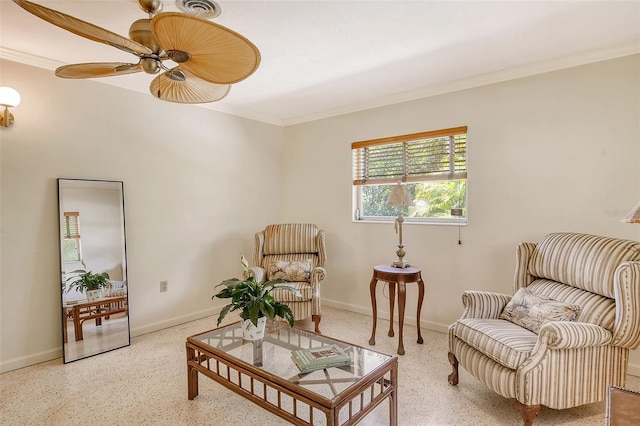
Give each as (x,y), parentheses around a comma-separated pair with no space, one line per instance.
(245,264)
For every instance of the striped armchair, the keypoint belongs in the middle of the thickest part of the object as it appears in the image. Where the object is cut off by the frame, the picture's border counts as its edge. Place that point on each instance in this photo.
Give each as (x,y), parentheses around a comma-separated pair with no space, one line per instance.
(566,363)
(295,252)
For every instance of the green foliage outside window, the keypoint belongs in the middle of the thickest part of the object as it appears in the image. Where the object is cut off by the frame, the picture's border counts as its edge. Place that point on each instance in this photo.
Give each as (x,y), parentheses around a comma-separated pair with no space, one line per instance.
(71,237)
(71,250)
(432,200)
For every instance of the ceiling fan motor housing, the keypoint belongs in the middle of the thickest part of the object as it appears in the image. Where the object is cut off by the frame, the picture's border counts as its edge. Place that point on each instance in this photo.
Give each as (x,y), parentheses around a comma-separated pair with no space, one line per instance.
(140,32)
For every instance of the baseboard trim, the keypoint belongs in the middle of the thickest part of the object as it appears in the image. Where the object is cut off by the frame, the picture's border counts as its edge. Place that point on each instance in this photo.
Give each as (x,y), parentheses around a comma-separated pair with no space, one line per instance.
(51,354)
(26,361)
(429,325)
(161,325)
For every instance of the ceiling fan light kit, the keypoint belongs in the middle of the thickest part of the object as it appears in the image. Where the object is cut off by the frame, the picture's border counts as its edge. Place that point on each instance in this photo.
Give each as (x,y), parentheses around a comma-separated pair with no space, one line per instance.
(210,57)
(150,6)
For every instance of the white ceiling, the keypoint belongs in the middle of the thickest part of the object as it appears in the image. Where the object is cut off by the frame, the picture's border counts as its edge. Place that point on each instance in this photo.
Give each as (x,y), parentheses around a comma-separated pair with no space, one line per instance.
(323,58)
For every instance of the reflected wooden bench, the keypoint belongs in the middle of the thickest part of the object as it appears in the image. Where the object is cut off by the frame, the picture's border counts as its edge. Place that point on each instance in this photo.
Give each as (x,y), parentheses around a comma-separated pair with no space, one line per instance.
(97,309)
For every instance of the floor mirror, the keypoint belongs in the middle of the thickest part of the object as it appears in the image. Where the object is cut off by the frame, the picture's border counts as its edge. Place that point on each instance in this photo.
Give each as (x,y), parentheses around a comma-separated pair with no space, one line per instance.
(93,265)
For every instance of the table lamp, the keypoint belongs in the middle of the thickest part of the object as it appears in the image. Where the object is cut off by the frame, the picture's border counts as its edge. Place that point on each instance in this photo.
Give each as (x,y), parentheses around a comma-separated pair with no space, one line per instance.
(400,197)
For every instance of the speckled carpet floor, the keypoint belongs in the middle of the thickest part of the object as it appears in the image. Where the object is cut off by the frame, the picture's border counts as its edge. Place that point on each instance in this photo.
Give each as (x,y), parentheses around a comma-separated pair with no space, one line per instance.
(146,384)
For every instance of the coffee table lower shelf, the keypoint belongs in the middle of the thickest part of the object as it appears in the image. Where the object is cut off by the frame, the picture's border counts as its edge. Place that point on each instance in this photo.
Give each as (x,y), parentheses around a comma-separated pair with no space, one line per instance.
(290,400)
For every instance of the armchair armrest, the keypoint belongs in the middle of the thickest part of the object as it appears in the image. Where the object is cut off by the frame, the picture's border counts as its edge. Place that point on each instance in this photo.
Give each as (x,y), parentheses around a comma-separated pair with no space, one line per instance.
(626,332)
(318,274)
(259,274)
(574,350)
(483,304)
(571,335)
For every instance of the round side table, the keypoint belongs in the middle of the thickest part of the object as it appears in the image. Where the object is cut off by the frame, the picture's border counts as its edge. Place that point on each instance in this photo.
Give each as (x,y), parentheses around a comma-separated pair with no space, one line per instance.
(401,276)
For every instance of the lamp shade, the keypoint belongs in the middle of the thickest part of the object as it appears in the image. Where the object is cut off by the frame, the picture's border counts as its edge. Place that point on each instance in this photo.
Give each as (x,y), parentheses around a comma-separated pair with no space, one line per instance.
(9,97)
(633,216)
(400,196)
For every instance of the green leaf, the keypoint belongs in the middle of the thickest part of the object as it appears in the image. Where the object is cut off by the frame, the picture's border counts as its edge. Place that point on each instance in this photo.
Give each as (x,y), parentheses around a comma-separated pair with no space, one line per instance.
(224,313)
(267,309)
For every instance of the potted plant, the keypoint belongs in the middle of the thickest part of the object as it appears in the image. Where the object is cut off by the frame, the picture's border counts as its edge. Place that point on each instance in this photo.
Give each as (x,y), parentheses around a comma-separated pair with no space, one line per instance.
(254,301)
(89,283)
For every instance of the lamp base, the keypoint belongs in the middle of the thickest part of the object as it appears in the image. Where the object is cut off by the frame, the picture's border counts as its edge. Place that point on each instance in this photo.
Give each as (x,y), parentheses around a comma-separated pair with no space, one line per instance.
(6,120)
(400,264)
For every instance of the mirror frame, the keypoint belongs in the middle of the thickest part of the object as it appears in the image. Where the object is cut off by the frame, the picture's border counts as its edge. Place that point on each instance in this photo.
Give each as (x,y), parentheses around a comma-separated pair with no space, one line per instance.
(67,309)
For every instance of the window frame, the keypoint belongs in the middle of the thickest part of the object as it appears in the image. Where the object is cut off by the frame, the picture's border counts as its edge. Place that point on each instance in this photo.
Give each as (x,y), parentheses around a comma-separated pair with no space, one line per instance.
(411,173)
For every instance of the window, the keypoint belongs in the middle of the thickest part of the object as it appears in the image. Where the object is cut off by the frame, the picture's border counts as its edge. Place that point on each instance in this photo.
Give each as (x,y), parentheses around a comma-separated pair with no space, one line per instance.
(71,236)
(432,164)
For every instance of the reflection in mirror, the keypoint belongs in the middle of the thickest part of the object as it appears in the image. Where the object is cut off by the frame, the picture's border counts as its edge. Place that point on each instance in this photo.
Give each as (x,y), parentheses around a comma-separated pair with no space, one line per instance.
(95,316)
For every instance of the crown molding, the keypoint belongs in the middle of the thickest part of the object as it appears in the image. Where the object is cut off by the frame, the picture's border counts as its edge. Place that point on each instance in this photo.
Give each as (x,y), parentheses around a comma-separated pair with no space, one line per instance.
(28,59)
(528,70)
(244,113)
(439,89)
(49,64)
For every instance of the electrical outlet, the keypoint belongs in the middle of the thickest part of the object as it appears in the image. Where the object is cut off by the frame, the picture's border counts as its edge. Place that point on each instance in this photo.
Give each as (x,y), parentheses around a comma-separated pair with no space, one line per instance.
(164,286)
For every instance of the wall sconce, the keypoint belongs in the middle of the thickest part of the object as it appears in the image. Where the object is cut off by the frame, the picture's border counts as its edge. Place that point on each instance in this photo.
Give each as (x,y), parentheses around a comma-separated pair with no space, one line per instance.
(8,98)
(633,216)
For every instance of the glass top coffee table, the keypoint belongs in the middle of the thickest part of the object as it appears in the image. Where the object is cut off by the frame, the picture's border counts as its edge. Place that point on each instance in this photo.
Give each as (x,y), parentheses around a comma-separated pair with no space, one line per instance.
(263,372)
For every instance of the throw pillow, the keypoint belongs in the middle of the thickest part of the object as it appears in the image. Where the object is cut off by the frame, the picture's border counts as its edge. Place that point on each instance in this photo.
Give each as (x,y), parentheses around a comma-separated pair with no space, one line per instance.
(531,311)
(289,271)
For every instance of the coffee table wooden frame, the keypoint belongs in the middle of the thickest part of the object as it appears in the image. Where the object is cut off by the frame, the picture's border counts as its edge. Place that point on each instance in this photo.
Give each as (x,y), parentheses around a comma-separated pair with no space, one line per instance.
(255,384)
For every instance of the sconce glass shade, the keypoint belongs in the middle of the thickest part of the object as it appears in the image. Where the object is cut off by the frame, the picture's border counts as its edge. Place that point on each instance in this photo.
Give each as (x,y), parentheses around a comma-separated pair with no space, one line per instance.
(9,97)
(400,196)
(633,216)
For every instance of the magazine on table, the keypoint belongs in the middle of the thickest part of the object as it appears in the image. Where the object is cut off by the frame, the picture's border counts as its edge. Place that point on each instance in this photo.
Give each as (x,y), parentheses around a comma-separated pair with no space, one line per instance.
(320,357)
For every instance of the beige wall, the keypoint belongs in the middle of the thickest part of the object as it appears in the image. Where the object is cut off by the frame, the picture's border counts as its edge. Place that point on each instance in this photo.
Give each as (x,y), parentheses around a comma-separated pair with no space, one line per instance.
(553,152)
(193,183)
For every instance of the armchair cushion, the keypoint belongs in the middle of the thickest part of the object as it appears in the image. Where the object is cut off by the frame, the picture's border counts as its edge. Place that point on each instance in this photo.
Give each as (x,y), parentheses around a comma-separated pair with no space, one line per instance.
(303,287)
(581,260)
(290,238)
(500,340)
(596,309)
(531,311)
(289,270)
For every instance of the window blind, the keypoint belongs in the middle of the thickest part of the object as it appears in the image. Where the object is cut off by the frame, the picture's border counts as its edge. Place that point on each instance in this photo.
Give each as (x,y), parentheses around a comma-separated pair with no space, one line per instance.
(71,225)
(418,157)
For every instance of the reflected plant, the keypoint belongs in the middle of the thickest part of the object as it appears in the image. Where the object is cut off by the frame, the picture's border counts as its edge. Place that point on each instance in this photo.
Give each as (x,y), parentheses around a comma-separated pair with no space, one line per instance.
(87,280)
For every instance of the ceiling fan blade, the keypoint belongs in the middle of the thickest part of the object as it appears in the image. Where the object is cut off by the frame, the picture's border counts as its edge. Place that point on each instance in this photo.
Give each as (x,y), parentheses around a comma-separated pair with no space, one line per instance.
(97,69)
(210,51)
(84,29)
(178,85)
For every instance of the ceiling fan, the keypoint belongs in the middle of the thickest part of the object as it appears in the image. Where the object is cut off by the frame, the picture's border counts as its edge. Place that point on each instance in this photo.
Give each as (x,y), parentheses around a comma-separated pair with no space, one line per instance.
(209,57)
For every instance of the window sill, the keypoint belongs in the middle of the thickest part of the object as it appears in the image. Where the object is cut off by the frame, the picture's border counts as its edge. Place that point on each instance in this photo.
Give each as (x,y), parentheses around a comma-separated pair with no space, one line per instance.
(406,222)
